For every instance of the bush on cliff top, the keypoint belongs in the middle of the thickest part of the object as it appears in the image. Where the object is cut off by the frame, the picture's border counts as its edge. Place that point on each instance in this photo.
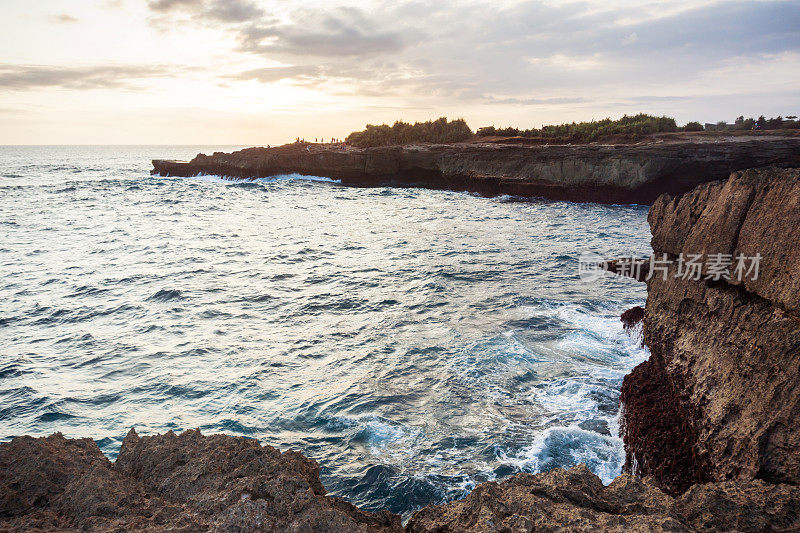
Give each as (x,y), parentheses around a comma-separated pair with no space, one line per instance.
(437,131)
(628,126)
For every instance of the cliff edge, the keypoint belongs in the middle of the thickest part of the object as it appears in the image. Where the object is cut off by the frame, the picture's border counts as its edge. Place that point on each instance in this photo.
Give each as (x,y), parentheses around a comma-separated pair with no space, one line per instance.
(612,173)
(719,398)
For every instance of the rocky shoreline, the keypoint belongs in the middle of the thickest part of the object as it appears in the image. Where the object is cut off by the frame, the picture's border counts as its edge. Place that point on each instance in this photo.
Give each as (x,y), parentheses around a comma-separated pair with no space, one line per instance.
(709,421)
(612,173)
(191,482)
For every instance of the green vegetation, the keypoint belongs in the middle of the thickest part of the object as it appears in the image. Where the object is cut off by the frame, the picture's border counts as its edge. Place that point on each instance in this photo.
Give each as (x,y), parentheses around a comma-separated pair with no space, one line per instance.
(627,126)
(436,131)
(633,127)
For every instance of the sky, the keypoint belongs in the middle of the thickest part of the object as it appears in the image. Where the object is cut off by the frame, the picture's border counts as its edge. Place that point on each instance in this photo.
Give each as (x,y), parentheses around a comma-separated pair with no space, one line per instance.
(260,72)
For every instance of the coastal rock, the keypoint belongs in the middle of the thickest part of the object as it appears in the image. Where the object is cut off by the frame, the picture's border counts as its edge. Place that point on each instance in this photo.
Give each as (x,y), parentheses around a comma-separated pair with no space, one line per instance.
(632,318)
(191,482)
(169,482)
(612,173)
(576,500)
(719,398)
(629,267)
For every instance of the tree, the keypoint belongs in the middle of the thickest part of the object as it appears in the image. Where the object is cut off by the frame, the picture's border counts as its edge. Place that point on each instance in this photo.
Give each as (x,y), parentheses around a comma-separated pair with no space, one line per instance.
(775,123)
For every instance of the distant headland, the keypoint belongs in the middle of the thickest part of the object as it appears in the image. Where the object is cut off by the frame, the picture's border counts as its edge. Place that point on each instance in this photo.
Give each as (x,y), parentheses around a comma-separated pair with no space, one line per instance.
(630,160)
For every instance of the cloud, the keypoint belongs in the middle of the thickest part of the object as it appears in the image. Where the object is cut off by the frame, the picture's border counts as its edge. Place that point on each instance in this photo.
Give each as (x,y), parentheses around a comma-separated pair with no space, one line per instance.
(164,6)
(537,101)
(273,74)
(226,11)
(64,19)
(12,111)
(461,52)
(26,77)
(333,37)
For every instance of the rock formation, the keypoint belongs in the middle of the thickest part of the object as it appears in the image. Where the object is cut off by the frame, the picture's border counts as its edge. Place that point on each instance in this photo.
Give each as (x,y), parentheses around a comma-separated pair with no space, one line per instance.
(576,500)
(191,482)
(719,398)
(169,482)
(622,173)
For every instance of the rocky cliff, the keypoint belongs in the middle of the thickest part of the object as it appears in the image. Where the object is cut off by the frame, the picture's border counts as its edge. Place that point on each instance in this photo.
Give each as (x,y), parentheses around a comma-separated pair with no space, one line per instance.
(621,173)
(719,398)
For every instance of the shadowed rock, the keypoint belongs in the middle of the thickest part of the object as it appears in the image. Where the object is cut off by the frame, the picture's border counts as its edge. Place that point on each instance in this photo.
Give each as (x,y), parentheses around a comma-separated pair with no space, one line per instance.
(190,482)
(632,317)
(628,267)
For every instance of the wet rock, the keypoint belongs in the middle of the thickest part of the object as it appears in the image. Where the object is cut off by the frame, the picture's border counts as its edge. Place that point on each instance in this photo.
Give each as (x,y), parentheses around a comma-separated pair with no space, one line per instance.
(654,420)
(629,267)
(597,425)
(632,317)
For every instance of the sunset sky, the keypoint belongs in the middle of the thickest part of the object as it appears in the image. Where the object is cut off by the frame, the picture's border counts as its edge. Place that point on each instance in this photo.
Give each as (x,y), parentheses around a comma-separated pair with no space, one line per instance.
(259,72)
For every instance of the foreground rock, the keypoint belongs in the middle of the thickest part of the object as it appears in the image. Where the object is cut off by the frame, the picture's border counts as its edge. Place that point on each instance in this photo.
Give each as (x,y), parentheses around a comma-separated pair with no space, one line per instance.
(719,398)
(623,173)
(191,482)
(576,500)
(169,482)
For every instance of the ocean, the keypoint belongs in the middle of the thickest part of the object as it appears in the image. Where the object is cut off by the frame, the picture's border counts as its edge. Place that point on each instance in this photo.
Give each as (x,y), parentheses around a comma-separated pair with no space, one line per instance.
(414,342)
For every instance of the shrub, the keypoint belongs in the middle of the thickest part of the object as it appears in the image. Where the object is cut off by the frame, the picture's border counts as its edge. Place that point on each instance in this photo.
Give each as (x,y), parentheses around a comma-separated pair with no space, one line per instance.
(628,126)
(436,131)
(693,126)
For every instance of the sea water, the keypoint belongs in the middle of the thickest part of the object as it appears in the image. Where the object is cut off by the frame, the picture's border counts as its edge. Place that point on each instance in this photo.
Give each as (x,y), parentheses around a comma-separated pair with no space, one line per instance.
(414,342)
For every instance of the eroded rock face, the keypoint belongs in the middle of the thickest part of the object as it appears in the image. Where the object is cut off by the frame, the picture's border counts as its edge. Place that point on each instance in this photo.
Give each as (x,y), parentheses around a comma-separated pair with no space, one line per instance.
(725,354)
(169,482)
(627,173)
(576,500)
(191,482)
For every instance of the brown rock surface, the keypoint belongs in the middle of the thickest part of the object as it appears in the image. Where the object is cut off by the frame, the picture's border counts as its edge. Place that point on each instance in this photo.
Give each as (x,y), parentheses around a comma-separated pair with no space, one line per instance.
(169,482)
(725,354)
(576,500)
(191,482)
(621,173)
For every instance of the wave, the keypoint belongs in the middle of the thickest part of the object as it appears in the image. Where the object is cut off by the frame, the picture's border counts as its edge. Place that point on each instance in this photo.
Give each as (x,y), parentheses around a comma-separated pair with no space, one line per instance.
(564,447)
(214,178)
(166,295)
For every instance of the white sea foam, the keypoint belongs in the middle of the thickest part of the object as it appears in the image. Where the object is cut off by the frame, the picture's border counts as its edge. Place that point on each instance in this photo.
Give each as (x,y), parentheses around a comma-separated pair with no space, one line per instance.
(569,446)
(213,178)
(568,395)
